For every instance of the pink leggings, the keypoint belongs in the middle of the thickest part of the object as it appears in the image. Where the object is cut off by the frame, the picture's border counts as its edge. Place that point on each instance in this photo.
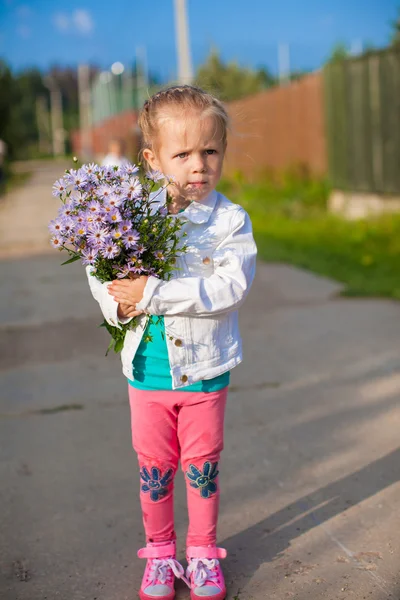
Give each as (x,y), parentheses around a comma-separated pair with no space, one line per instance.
(168,426)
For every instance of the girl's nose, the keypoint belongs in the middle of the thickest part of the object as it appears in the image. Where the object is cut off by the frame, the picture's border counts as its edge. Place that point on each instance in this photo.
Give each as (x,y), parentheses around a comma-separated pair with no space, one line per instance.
(198,165)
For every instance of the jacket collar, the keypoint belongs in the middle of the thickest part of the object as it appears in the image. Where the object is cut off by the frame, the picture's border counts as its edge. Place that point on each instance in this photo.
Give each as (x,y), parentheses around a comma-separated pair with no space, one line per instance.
(196,212)
(200,212)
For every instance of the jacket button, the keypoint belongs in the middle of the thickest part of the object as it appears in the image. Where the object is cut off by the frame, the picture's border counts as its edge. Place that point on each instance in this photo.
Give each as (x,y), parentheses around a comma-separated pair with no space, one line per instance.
(178,343)
(184,378)
(206,260)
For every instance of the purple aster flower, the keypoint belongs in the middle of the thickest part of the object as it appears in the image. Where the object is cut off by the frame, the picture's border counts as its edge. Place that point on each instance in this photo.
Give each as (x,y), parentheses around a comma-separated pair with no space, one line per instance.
(106,209)
(56,226)
(109,249)
(170,179)
(78,197)
(78,179)
(136,269)
(140,249)
(98,234)
(89,221)
(56,241)
(129,169)
(123,272)
(163,211)
(89,256)
(113,200)
(107,172)
(72,239)
(130,239)
(81,229)
(100,218)
(94,206)
(59,187)
(104,191)
(117,234)
(132,189)
(98,244)
(135,263)
(69,226)
(125,226)
(65,210)
(114,216)
(70,176)
(90,170)
(155,175)
(159,255)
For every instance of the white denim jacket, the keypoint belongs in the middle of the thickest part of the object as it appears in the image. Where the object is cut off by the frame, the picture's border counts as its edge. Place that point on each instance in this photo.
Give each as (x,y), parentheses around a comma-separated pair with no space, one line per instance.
(200,301)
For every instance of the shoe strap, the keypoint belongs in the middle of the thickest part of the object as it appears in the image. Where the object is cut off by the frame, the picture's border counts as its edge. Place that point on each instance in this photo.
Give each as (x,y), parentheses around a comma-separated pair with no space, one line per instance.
(167,550)
(206,552)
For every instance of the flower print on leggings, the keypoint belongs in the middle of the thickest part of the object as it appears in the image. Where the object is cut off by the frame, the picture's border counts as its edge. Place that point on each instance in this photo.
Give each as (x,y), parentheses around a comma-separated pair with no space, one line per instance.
(155,483)
(204,480)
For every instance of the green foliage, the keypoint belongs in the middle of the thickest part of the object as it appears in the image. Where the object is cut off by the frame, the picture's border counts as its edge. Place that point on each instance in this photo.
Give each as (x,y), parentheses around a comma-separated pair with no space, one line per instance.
(230,81)
(6,96)
(18,107)
(339,52)
(395,31)
(292,225)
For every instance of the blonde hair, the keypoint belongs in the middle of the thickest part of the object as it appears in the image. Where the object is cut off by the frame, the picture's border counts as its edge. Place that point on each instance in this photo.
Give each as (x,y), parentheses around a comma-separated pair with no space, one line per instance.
(183,98)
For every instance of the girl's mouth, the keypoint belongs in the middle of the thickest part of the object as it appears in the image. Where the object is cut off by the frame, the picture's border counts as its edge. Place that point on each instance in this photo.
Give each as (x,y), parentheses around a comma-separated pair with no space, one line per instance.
(197,184)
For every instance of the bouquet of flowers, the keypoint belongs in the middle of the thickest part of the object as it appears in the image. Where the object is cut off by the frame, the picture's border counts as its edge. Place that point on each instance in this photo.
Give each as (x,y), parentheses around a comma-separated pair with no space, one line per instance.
(108,220)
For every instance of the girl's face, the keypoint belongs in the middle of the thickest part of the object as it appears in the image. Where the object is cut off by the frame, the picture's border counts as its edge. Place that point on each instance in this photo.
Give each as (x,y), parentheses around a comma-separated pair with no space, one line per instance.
(189,148)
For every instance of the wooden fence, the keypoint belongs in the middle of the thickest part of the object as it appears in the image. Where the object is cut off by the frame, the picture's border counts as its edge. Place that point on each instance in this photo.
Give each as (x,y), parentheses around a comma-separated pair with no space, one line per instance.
(280,128)
(362,107)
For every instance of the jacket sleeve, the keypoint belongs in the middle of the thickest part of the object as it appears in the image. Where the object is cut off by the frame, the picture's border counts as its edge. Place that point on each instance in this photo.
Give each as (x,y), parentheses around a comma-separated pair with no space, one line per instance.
(107,303)
(225,290)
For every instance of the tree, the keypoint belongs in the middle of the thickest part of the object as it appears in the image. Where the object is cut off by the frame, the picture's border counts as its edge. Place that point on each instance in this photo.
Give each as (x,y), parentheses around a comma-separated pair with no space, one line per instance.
(339,52)
(395,35)
(230,81)
(6,97)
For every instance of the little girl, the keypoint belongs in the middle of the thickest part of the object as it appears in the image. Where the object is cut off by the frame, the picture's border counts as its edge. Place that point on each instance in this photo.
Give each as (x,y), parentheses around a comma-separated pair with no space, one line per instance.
(178,382)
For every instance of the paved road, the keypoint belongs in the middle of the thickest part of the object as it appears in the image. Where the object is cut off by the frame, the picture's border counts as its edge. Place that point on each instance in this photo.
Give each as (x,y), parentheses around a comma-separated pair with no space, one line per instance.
(311,467)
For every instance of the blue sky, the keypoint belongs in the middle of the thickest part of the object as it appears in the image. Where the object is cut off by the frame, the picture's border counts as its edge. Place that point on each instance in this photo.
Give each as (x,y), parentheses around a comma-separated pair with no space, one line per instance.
(46,32)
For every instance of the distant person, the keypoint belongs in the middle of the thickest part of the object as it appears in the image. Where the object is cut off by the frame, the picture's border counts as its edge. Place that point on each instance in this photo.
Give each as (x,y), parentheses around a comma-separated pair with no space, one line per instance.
(115,157)
(178,382)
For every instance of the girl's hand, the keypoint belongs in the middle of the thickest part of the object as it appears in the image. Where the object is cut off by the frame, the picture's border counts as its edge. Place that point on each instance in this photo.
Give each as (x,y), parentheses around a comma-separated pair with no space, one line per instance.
(128,291)
(127,310)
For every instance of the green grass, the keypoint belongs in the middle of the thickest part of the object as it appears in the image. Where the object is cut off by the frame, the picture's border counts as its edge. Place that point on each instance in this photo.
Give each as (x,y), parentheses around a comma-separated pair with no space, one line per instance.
(13,180)
(291,224)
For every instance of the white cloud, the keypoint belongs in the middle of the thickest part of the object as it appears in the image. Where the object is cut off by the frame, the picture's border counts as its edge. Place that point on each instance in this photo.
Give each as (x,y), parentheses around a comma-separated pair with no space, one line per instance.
(24,31)
(62,22)
(80,20)
(83,21)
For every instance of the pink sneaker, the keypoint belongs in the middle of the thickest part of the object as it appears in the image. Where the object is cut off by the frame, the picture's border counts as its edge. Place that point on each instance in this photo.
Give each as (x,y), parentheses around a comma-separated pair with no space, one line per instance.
(160,572)
(204,573)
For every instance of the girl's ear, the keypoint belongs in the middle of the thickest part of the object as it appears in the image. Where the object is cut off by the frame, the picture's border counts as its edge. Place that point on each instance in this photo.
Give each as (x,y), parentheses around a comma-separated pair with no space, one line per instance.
(151,159)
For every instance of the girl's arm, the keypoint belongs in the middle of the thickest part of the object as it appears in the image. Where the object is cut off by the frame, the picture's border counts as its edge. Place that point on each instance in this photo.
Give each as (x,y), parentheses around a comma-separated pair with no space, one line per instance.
(109,307)
(223,291)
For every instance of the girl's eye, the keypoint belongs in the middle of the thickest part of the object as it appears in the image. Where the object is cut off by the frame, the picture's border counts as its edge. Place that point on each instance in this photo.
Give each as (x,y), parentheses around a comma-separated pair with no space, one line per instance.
(211,151)
(182,155)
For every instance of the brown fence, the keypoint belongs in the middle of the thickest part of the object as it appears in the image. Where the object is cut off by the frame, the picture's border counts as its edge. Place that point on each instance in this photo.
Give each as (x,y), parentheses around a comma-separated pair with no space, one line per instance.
(276,129)
(122,126)
(279,128)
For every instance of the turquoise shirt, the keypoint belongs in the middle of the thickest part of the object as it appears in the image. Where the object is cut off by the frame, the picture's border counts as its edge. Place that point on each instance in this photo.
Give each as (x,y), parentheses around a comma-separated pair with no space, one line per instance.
(151,368)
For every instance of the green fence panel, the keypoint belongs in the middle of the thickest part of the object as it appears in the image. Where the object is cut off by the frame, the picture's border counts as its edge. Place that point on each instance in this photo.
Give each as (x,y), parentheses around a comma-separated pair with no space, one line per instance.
(362,107)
